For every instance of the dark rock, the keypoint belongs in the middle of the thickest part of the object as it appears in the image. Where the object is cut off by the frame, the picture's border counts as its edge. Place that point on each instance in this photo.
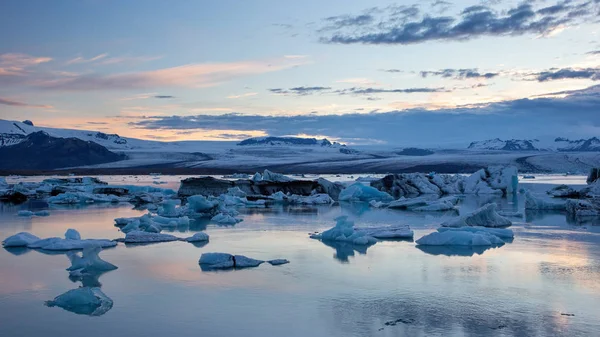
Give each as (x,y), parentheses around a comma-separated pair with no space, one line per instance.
(593,176)
(211,186)
(28,122)
(13,196)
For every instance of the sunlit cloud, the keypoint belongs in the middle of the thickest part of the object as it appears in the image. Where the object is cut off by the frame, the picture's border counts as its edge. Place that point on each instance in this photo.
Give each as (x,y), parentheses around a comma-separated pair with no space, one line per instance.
(9,102)
(14,64)
(80,59)
(243,95)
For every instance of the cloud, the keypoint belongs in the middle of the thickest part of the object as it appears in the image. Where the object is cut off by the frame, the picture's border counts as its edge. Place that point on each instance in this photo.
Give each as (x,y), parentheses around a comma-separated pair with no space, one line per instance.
(97,123)
(369,91)
(80,59)
(14,64)
(567,73)
(472,22)
(196,75)
(392,70)
(460,74)
(248,94)
(5,101)
(164,96)
(341,21)
(593,52)
(521,118)
(299,91)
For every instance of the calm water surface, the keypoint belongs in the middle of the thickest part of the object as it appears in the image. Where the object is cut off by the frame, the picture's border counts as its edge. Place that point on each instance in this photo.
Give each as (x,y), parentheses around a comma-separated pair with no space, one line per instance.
(545,283)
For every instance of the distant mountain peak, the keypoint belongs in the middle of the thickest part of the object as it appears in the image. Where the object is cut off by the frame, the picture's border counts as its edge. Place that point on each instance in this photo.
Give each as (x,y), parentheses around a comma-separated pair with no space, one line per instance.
(278,141)
(505,145)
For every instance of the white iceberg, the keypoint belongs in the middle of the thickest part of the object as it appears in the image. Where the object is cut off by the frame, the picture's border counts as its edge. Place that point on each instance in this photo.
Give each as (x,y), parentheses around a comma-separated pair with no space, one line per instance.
(275,177)
(583,208)
(88,262)
(503,233)
(360,192)
(460,238)
(387,232)
(21,239)
(72,241)
(25,213)
(344,231)
(485,216)
(199,204)
(168,208)
(72,234)
(532,202)
(314,199)
(83,301)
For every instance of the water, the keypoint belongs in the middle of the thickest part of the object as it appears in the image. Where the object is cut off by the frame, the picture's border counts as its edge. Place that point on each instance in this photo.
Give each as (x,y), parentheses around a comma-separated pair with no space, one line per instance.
(530,287)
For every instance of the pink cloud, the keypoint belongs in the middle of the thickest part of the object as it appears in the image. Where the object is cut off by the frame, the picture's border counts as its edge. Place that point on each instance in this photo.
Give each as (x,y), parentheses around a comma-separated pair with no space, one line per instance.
(13,64)
(5,101)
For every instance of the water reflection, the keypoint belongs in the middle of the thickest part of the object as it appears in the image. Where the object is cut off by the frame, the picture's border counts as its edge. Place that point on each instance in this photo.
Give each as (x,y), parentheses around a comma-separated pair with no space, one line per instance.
(454,250)
(343,250)
(90,301)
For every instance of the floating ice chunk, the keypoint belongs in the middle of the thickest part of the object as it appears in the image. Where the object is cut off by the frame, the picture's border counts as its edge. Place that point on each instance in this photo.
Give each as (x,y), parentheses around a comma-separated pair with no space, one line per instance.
(133,225)
(199,204)
(3,183)
(42,213)
(484,216)
(278,196)
(198,237)
(505,178)
(83,301)
(563,191)
(315,199)
(89,261)
(236,192)
(59,244)
(460,238)
(344,231)
(387,232)
(21,239)
(171,222)
(241,261)
(25,213)
(256,177)
(225,219)
(146,237)
(477,184)
(503,233)
(278,262)
(360,192)
(72,234)
(510,214)
(153,228)
(276,177)
(216,260)
(583,208)
(168,209)
(378,204)
(532,202)
(124,221)
(260,203)
(225,261)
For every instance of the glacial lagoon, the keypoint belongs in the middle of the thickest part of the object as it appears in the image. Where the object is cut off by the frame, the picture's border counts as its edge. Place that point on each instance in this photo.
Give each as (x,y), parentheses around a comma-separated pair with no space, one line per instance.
(546,282)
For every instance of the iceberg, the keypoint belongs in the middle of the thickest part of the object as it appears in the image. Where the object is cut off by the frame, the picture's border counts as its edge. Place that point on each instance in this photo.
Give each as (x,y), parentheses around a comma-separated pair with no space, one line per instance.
(275,177)
(21,239)
(460,238)
(503,233)
(83,301)
(199,204)
(72,241)
(387,232)
(225,219)
(41,213)
(212,261)
(278,262)
(72,234)
(425,204)
(25,213)
(344,231)
(583,208)
(563,191)
(508,214)
(88,262)
(198,237)
(485,216)
(532,202)
(315,199)
(147,237)
(168,208)
(360,192)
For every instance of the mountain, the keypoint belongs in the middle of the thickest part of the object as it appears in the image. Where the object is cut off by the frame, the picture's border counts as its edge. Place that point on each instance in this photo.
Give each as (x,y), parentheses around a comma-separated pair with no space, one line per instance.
(581,145)
(40,151)
(12,132)
(278,141)
(505,145)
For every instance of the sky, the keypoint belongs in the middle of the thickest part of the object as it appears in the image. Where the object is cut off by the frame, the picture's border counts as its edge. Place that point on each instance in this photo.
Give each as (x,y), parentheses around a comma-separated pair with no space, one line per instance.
(377,72)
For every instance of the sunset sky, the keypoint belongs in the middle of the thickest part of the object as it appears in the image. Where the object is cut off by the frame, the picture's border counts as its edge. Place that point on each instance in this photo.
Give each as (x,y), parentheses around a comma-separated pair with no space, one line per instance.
(361,72)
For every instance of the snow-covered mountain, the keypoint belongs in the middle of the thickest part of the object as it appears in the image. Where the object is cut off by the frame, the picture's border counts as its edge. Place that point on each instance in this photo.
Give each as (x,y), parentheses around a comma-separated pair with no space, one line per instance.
(506,145)
(12,132)
(581,145)
(279,141)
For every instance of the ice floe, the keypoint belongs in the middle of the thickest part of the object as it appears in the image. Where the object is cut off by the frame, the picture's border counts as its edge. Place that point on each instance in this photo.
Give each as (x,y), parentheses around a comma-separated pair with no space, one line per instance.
(216,261)
(537,203)
(198,237)
(147,237)
(344,231)
(89,301)
(22,239)
(360,192)
(485,216)
(225,219)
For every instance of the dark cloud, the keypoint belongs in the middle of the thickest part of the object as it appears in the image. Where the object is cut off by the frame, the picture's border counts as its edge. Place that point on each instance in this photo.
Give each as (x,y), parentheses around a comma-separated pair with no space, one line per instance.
(568,73)
(97,123)
(593,52)
(233,136)
(299,91)
(336,22)
(460,74)
(9,102)
(527,118)
(164,96)
(392,70)
(369,91)
(472,22)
